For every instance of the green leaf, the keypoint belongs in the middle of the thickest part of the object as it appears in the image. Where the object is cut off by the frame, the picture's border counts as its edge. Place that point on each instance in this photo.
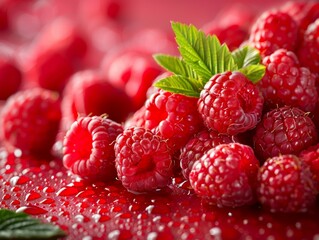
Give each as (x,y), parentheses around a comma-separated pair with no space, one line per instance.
(246,56)
(175,65)
(205,55)
(254,72)
(178,84)
(21,226)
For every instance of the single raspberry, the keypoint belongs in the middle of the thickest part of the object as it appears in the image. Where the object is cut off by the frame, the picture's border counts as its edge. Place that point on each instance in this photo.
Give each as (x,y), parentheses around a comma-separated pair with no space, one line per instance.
(88,148)
(230,103)
(10,77)
(310,156)
(85,94)
(198,145)
(303,12)
(172,116)
(233,35)
(285,130)
(285,184)
(286,83)
(49,69)
(226,175)
(143,160)
(308,50)
(30,121)
(273,30)
(132,70)
(69,40)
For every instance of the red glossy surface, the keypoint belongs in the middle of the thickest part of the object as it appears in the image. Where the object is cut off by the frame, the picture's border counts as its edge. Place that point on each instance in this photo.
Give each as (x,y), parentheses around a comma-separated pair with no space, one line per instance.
(99,210)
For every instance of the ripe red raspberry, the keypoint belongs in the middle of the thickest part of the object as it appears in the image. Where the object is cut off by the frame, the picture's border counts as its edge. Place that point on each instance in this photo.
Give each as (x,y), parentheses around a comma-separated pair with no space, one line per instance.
(308,50)
(172,116)
(285,184)
(143,160)
(49,69)
(230,103)
(310,156)
(197,146)
(85,95)
(233,35)
(88,148)
(10,77)
(286,83)
(285,130)
(273,30)
(303,12)
(30,121)
(132,70)
(226,175)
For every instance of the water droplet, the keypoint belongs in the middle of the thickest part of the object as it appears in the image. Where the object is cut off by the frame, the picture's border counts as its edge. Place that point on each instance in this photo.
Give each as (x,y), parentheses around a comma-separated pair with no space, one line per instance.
(48,190)
(85,193)
(47,201)
(6,197)
(32,196)
(33,210)
(67,191)
(19,180)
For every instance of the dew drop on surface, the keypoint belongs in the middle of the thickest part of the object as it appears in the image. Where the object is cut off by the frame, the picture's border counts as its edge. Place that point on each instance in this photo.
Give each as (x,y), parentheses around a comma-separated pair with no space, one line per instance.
(47,201)
(6,197)
(216,233)
(19,180)
(32,196)
(33,210)
(67,191)
(48,190)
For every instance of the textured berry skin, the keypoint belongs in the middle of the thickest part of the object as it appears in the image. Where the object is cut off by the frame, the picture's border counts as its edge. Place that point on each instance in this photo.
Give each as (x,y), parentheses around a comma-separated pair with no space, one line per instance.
(88,148)
(172,116)
(230,103)
(285,184)
(143,160)
(30,121)
(308,51)
(310,156)
(273,30)
(285,130)
(226,175)
(197,146)
(10,77)
(286,83)
(85,94)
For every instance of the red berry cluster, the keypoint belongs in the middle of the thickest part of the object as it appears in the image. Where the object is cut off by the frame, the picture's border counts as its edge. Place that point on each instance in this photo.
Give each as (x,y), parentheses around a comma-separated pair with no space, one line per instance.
(237,143)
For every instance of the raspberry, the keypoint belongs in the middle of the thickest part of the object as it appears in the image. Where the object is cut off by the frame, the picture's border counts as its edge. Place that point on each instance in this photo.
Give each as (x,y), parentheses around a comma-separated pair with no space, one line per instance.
(303,12)
(88,148)
(310,156)
(10,77)
(143,160)
(85,95)
(233,35)
(49,69)
(273,30)
(285,130)
(286,83)
(197,146)
(132,70)
(230,103)
(285,185)
(226,175)
(172,116)
(308,51)
(30,121)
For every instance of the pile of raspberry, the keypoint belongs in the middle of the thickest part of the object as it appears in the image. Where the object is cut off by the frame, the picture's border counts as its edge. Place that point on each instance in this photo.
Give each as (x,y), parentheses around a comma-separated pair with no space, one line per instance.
(239,143)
